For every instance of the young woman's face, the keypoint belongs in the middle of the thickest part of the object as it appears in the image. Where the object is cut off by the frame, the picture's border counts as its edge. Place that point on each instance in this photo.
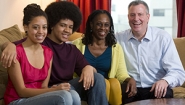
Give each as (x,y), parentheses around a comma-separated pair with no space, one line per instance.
(62,30)
(37,29)
(100,26)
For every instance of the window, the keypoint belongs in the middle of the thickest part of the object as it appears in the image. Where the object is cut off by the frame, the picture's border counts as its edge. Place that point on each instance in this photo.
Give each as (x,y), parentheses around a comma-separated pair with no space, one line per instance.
(113,7)
(162,28)
(162,14)
(158,12)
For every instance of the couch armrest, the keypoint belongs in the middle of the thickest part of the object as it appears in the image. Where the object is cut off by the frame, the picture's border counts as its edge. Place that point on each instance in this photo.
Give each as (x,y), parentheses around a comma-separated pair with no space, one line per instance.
(115,95)
(179,92)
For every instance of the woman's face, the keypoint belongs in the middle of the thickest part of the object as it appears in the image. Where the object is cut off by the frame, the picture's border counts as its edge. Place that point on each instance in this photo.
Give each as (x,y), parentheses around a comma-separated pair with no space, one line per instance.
(61,31)
(100,26)
(37,29)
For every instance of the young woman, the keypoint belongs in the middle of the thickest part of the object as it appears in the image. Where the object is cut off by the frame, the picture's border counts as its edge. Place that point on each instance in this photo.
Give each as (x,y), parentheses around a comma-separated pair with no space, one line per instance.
(29,76)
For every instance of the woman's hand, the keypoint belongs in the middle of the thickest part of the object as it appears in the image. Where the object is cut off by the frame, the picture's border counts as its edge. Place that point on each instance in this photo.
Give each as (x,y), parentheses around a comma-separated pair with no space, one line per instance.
(131,86)
(62,86)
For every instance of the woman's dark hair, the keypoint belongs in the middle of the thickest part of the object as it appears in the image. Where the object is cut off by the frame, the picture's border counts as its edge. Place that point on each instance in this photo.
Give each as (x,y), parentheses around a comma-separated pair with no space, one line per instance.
(63,10)
(31,11)
(88,39)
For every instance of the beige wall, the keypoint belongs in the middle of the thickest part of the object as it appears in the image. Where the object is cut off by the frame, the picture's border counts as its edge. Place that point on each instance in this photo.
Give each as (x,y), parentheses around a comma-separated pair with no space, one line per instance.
(11,11)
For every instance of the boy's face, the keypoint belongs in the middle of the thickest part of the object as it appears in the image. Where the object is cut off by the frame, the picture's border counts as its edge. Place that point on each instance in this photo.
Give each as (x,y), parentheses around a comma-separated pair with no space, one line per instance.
(62,30)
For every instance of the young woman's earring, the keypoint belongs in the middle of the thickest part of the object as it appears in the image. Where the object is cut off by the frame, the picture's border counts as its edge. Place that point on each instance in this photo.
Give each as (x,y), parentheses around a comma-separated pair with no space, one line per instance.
(26,32)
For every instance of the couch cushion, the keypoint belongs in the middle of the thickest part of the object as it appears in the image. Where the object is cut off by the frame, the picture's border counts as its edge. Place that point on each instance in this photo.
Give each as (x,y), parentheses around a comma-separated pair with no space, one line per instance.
(180,42)
(11,34)
(75,35)
(179,92)
(3,83)
(2,102)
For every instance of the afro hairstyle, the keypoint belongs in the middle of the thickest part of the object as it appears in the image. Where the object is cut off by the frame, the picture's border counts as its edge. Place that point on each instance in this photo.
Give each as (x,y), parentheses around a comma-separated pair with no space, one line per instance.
(63,10)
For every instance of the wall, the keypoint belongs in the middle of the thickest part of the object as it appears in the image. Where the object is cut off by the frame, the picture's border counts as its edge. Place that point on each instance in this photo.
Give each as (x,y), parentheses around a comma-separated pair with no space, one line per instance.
(168,22)
(12,11)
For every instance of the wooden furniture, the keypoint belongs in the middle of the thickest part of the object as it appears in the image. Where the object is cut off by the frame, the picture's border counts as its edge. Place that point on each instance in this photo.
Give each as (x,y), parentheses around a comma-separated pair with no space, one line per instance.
(162,101)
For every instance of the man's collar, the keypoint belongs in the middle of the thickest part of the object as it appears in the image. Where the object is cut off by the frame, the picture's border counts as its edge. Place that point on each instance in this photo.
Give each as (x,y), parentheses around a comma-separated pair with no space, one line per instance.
(147,35)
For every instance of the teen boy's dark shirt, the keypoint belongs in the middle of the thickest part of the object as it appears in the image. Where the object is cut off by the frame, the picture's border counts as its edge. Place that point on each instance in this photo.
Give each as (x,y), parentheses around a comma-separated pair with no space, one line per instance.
(67,59)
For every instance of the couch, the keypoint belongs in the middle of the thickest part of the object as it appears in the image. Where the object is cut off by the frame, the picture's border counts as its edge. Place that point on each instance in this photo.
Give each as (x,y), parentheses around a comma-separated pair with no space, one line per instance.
(13,33)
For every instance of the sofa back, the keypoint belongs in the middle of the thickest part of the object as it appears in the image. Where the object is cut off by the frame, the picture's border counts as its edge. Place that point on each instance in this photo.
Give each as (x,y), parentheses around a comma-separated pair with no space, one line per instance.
(9,34)
(180,45)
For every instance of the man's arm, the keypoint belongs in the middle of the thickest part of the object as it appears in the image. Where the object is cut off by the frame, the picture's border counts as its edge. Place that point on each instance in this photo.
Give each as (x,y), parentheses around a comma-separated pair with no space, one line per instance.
(171,63)
(8,55)
(87,76)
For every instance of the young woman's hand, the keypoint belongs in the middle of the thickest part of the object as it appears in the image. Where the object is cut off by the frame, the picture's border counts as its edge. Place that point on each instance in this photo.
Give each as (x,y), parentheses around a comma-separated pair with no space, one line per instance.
(62,86)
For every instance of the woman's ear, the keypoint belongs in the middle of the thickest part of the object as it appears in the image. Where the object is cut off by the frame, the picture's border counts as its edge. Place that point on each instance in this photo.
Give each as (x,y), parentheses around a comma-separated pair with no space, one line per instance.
(25,28)
(91,24)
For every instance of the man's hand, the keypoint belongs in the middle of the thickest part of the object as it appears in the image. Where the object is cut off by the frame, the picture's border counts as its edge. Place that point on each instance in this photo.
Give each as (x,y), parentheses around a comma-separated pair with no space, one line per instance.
(8,54)
(160,88)
(131,86)
(87,76)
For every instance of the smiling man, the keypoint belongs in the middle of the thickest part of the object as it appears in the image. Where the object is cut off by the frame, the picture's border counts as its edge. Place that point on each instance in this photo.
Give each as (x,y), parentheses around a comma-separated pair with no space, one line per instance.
(151,56)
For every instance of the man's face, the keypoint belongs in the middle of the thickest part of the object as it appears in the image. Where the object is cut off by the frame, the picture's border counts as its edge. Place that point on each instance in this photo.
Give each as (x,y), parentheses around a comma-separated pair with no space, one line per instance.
(138,19)
(62,30)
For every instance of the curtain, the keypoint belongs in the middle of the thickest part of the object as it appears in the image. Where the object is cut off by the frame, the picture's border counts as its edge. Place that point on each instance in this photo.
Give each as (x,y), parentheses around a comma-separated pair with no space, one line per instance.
(181,18)
(87,6)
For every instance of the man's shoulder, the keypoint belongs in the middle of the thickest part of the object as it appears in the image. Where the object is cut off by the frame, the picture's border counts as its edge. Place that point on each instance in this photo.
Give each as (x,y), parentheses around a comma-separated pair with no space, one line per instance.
(157,30)
(123,33)
(160,33)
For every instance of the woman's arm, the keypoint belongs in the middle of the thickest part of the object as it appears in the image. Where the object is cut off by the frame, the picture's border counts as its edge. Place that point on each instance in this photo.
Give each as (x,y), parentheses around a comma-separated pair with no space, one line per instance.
(16,77)
(46,81)
(121,73)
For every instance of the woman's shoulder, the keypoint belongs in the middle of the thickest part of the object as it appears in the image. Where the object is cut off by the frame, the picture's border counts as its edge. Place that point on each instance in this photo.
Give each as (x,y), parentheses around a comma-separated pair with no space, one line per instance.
(47,49)
(77,41)
(117,46)
(19,47)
